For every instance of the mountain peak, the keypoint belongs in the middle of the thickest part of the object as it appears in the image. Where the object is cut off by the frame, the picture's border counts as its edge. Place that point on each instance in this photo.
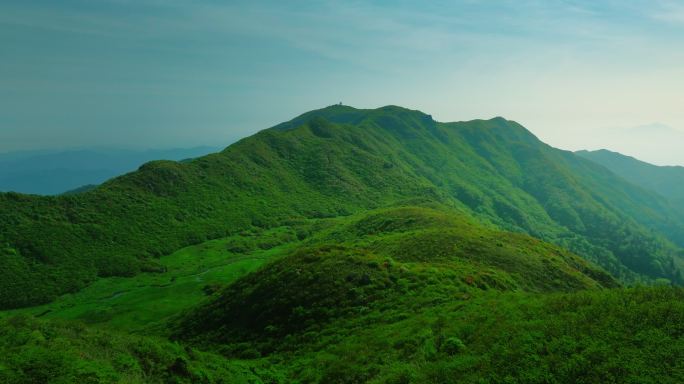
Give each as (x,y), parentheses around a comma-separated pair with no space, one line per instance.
(337,113)
(394,117)
(344,114)
(497,127)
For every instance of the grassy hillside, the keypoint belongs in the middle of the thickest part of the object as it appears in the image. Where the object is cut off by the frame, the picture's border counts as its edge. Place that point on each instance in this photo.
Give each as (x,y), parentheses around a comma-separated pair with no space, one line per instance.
(609,336)
(416,295)
(668,181)
(405,294)
(407,235)
(329,163)
(402,257)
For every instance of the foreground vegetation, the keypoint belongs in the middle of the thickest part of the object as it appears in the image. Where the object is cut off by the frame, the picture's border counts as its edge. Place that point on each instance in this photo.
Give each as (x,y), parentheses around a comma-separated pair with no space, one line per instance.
(398,295)
(608,336)
(598,336)
(39,351)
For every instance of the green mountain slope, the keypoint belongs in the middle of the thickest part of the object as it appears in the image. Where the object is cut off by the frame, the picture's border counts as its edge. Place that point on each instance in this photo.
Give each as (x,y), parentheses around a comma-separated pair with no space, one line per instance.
(416,295)
(668,181)
(407,294)
(327,163)
(405,257)
(610,336)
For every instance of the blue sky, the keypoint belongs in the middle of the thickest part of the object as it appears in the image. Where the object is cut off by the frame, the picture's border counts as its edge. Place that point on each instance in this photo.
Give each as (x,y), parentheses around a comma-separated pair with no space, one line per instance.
(153,73)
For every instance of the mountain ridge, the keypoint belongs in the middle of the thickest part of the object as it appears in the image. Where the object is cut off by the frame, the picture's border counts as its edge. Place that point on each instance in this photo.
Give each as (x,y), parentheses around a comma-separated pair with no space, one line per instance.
(667,180)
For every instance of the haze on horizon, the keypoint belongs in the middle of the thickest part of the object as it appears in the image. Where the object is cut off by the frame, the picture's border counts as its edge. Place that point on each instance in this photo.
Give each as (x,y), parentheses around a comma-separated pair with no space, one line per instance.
(150,73)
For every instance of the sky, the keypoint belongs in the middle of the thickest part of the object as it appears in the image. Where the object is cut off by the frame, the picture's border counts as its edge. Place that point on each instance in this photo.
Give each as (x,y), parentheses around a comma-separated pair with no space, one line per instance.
(154,74)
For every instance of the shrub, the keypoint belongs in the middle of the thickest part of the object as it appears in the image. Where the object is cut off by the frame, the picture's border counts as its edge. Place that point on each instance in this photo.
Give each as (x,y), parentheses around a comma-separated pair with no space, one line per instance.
(453,345)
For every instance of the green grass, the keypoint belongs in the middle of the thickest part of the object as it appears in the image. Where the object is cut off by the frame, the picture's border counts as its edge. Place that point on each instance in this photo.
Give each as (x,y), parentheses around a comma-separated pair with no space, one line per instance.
(147,300)
(427,243)
(421,295)
(597,336)
(399,295)
(402,256)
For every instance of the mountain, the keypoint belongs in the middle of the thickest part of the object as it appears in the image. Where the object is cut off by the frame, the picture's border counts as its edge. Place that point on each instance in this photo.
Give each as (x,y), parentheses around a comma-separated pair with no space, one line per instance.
(347,246)
(335,162)
(668,181)
(55,172)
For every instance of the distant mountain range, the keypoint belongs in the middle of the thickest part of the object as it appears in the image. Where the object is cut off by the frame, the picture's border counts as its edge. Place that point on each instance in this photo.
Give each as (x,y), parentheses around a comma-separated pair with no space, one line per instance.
(55,172)
(668,181)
